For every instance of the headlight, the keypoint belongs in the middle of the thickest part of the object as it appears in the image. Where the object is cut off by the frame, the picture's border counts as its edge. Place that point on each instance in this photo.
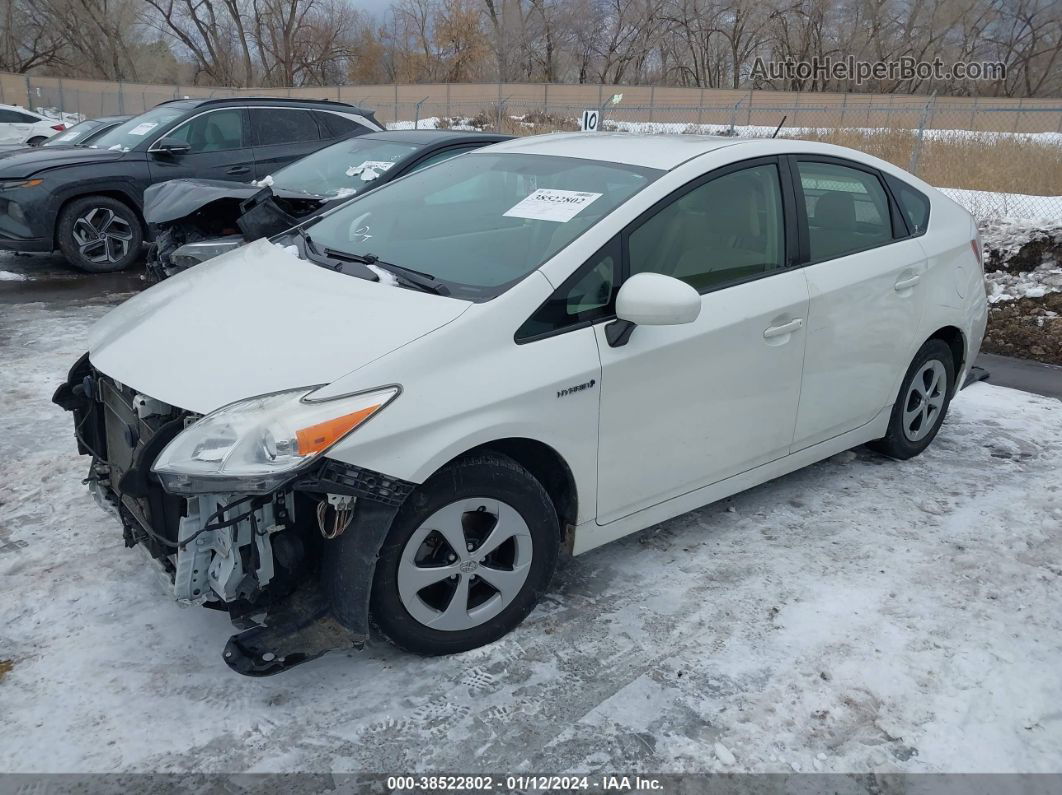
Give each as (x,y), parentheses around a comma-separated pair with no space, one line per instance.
(11,184)
(193,253)
(254,446)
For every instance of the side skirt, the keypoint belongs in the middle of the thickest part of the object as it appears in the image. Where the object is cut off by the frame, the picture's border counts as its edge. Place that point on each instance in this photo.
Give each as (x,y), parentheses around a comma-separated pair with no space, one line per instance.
(590,534)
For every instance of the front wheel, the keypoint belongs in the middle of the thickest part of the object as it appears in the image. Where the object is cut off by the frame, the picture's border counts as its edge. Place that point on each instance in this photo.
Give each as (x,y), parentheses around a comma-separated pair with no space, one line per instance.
(921,404)
(99,234)
(467,557)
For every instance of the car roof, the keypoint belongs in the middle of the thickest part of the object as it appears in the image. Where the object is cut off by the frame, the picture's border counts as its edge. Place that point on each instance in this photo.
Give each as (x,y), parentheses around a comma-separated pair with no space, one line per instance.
(435,136)
(654,151)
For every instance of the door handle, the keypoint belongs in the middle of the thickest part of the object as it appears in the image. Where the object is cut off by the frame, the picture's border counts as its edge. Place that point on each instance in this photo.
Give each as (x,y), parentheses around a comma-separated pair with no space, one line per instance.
(785,328)
(910,281)
(238,170)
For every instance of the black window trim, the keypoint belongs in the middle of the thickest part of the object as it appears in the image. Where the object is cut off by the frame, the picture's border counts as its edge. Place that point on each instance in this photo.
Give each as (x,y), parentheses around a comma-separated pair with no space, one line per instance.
(789,232)
(897,223)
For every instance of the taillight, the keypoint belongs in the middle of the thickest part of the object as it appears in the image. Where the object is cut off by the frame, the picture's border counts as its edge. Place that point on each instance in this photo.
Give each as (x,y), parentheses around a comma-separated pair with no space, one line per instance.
(58,127)
(978,251)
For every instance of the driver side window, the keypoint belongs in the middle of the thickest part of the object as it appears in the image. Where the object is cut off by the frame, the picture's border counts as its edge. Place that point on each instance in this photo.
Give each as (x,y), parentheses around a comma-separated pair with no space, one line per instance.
(722,232)
(216,131)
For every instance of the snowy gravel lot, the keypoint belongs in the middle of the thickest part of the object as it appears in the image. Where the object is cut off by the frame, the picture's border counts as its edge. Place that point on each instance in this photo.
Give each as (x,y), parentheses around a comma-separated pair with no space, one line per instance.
(863,614)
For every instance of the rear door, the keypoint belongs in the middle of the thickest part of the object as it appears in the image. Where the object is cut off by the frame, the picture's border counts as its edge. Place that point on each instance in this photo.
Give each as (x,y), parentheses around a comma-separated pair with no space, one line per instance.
(282,135)
(864,276)
(219,148)
(14,129)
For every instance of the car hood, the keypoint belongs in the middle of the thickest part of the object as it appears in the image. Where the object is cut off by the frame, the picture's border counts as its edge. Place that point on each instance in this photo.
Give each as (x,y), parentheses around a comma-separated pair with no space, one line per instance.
(255,321)
(27,162)
(168,201)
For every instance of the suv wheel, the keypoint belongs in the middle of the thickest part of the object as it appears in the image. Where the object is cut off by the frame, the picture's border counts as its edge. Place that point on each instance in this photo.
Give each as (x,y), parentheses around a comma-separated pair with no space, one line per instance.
(922,403)
(467,557)
(37,140)
(100,234)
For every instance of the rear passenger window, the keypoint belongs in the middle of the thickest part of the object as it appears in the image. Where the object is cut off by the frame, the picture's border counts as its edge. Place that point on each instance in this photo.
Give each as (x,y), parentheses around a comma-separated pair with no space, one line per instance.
(284,126)
(725,231)
(848,210)
(913,204)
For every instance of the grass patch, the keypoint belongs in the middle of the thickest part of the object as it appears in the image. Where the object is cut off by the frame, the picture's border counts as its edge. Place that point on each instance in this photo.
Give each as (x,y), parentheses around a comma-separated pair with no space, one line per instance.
(979,161)
(5,668)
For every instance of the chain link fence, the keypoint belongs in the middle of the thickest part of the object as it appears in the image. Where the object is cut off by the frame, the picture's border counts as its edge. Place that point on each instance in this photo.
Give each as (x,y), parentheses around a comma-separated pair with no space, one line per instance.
(997,157)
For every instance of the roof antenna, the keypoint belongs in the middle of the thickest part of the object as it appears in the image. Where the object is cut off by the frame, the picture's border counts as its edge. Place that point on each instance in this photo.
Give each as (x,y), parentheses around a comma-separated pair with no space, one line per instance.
(776,129)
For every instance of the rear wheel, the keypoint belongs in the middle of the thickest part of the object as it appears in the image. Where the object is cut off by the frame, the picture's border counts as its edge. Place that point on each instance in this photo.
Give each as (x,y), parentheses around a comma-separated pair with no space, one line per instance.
(100,234)
(922,403)
(36,140)
(467,557)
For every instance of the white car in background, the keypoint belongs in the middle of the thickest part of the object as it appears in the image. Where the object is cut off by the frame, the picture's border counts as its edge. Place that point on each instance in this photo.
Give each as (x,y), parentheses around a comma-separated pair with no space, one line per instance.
(407,409)
(21,126)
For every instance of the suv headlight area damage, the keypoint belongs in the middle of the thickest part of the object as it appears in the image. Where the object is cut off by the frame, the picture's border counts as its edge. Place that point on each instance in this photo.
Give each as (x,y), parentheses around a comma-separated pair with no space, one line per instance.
(242,511)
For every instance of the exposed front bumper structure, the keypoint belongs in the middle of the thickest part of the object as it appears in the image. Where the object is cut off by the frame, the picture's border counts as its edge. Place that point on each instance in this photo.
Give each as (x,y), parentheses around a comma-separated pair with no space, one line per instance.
(263,559)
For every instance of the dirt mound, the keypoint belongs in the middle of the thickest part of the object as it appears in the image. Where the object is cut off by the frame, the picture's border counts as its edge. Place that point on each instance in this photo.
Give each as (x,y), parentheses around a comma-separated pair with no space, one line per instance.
(1029,328)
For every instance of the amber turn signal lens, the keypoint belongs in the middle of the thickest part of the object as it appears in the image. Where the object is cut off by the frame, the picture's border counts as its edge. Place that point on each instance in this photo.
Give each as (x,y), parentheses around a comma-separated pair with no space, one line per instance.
(315,438)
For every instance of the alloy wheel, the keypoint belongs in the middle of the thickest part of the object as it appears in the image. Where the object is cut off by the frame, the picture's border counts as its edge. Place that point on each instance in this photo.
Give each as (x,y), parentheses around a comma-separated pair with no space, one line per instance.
(464,564)
(924,401)
(102,235)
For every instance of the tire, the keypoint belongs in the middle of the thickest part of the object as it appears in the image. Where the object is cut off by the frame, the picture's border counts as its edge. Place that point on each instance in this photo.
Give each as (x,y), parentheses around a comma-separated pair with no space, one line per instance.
(472,609)
(922,403)
(99,234)
(36,140)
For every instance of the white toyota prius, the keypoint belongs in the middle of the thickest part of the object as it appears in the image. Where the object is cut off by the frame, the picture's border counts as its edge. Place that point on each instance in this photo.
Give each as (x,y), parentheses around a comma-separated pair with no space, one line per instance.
(400,414)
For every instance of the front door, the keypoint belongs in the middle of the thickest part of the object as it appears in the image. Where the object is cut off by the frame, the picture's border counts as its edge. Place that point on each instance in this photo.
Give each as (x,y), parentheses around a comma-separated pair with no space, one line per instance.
(686,406)
(219,148)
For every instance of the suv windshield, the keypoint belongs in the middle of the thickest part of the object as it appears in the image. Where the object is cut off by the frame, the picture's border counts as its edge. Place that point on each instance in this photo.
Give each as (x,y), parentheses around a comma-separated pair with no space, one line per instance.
(128,134)
(343,169)
(73,135)
(481,222)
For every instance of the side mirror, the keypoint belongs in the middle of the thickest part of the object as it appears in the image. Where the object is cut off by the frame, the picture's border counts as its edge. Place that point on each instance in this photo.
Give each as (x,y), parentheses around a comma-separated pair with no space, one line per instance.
(171,146)
(652,299)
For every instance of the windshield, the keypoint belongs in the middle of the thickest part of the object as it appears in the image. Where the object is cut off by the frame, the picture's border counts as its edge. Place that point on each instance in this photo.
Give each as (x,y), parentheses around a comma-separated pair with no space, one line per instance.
(480,222)
(74,135)
(128,134)
(343,169)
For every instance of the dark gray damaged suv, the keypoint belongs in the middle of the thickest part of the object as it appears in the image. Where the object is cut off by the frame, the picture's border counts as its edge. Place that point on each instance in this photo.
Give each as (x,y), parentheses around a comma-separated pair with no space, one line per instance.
(87,200)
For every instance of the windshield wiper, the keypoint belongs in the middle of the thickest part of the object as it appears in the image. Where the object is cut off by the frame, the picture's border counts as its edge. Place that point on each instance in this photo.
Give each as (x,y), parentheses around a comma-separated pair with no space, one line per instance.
(418,280)
(336,260)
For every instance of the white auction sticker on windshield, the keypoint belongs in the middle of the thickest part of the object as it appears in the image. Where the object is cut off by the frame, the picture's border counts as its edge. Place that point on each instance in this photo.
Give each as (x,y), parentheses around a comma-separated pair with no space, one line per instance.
(551,204)
(374,165)
(144,128)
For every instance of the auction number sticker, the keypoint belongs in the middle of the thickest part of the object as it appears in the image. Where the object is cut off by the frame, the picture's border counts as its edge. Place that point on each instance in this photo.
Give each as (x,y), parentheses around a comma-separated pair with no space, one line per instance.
(552,204)
(144,128)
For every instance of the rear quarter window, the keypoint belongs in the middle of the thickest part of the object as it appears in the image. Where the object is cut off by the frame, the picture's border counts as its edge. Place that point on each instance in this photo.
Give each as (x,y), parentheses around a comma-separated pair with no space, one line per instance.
(913,204)
(334,125)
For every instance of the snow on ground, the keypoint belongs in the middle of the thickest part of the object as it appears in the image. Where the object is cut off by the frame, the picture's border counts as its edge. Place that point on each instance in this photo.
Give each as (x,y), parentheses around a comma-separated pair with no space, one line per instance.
(983,204)
(11,276)
(863,614)
(1006,237)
